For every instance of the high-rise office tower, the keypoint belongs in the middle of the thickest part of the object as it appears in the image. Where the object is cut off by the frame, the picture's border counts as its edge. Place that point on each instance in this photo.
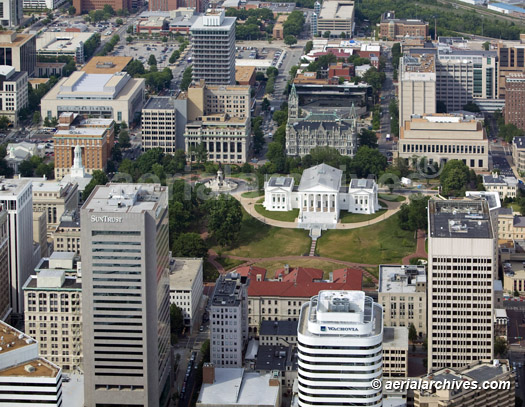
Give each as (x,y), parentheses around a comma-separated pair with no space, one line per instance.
(213,47)
(12,13)
(125,296)
(340,341)
(5,305)
(16,198)
(229,320)
(462,265)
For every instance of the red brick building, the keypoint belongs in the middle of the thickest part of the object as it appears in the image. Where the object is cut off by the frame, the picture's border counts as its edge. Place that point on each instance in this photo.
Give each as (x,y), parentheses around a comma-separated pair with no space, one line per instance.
(341,70)
(84,6)
(392,28)
(515,99)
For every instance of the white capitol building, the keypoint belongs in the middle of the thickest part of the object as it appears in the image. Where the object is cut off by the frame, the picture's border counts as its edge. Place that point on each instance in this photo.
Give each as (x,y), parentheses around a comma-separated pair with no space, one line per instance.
(320,195)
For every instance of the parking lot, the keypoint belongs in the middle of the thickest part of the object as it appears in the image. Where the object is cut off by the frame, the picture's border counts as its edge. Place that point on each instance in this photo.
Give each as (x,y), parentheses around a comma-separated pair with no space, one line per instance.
(143,49)
(276,55)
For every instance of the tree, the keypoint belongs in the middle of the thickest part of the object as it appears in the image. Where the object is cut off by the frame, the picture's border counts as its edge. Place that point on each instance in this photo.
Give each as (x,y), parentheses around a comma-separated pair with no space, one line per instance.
(308,47)
(107,9)
(119,21)
(26,168)
(129,30)
(471,107)
(368,161)
(413,216)
(189,245)
(368,138)
(152,60)
(272,71)
(326,34)
(186,78)
(37,118)
(99,178)
(454,178)
(290,40)
(508,131)
(486,45)
(123,139)
(4,122)
(224,215)
(500,346)
(280,116)
(45,170)
(176,322)
(412,333)
(265,105)
(199,153)
(71,10)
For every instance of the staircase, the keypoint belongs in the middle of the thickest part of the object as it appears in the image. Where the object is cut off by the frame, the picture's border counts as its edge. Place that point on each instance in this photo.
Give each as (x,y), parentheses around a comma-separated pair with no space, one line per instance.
(315,233)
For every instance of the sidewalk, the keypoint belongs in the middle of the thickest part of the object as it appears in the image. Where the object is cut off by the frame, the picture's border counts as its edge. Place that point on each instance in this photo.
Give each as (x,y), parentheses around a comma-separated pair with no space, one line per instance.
(420,248)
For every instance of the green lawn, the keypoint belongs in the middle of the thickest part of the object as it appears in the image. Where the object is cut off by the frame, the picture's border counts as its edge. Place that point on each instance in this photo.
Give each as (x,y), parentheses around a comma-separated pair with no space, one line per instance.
(383,242)
(227,263)
(260,240)
(272,266)
(348,217)
(252,194)
(288,216)
(392,197)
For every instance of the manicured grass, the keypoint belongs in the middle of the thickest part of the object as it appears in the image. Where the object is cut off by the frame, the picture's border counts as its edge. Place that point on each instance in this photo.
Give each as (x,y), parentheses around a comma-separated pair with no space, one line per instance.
(260,240)
(288,216)
(229,264)
(326,266)
(252,194)
(348,217)
(515,207)
(383,242)
(392,197)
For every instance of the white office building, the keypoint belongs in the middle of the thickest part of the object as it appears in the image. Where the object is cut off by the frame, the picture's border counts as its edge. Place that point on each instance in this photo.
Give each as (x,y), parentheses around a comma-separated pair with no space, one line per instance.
(43,4)
(12,13)
(340,342)
(213,48)
(16,197)
(462,267)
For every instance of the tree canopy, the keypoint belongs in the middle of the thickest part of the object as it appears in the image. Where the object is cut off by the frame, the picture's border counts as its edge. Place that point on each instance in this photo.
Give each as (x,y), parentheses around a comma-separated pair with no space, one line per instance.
(224,217)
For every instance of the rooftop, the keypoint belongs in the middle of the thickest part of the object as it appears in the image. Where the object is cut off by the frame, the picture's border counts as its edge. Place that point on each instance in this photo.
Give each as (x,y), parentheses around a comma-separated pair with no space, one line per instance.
(34,368)
(492,199)
(244,73)
(12,187)
(12,339)
(321,176)
(234,386)
(459,219)
(500,180)
(107,65)
(479,372)
(183,272)
(283,182)
(519,142)
(10,38)
(337,9)
(508,7)
(159,103)
(280,328)
(395,337)
(228,290)
(44,281)
(124,198)
(273,358)
(226,25)
(362,183)
(422,63)
(61,41)
(400,279)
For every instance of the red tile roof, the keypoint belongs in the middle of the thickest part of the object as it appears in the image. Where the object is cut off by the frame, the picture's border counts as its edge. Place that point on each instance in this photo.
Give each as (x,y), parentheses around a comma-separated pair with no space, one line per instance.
(305,282)
(251,271)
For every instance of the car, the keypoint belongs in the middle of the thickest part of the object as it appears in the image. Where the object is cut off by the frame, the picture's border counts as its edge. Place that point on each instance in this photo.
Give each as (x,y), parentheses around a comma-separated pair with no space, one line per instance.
(201,328)
(66,379)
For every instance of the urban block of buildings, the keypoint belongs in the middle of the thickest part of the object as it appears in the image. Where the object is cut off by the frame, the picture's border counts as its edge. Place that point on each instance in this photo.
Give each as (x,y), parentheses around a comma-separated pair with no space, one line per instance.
(392,28)
(321,195)
(403,295)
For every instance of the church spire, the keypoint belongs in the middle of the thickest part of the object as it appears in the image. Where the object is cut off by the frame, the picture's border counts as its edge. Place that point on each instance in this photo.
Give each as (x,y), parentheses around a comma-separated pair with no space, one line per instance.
(293,104)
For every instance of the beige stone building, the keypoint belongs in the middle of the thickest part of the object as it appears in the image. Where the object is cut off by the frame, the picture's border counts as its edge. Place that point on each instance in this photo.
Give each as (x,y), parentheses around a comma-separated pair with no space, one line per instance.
(54,199)
(94,136)
(510,227)
(40,232)
(159,124)
(513,277)
(403,295)
(278,333)
(498,371)
(395,352)
(337,17)
(53,312)
(443,137)
(503,185)
(18,50)
(115,96)
(13,93)
(518,153)
(5,308)
(219,117)
(66,237)
(417,86)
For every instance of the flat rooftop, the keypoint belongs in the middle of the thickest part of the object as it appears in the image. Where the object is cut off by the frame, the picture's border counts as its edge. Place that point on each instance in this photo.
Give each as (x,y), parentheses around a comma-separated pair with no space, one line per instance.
(234,386)
(400,279)
(61,41)
(107,65)
(459,219)
(395,337)
(272,358)
(479,372)
(124,198)
(283,182)
(11,39)
(12,339)
(35,368)
(334,9)
(9,188)
(80,131)
(225,26)
(70,283)
(159,103)
(226,292)
(183,272)
(281,328)
(422,63)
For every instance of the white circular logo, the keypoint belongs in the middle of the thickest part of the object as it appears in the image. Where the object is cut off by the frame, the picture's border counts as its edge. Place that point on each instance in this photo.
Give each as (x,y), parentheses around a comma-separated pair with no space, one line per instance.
(376,384)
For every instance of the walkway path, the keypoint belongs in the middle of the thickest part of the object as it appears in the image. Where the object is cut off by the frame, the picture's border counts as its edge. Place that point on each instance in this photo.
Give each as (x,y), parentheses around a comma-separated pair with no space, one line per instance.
(420,248)
(249,206)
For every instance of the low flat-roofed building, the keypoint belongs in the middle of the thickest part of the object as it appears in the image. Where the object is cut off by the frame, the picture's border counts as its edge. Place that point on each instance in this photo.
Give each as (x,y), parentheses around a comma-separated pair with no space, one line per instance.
(281,359)
(403,294)
(496,371)
(395,352)
(442,137)
(107,65)
(278,333)
(116,96)
(57,44)
(66,237)
(337,17)
(245,75)
(37,82)
(223,387)
(153,25)
(503,185)
(53,316)
(22,368)
(47,69)
(514,277)
(186,287)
